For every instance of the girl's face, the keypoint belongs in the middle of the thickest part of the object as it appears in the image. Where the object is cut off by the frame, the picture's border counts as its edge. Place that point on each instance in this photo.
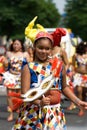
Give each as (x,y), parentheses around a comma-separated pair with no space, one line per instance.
(17,46)
(43,49)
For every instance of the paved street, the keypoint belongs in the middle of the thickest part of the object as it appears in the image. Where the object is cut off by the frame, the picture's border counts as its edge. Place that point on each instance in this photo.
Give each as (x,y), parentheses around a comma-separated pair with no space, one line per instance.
(73,121)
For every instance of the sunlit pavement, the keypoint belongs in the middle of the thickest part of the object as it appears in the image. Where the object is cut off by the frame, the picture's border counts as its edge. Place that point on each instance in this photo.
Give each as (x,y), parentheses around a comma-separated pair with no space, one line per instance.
(74,122)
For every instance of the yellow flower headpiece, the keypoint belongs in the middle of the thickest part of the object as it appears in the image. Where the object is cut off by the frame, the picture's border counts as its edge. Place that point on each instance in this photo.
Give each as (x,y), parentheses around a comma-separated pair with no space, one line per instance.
(31,32)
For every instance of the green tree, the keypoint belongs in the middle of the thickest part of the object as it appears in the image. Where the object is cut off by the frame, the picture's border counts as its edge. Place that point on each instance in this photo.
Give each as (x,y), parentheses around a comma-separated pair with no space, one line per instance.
(76,17)
(15,15)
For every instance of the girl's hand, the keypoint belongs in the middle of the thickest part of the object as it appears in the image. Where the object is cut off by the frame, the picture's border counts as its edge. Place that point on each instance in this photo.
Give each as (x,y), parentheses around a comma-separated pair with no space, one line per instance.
(82,104)
(42,102)
(45,101)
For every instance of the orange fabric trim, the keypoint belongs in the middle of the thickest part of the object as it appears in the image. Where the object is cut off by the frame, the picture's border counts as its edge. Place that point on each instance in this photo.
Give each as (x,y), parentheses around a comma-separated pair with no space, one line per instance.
(55,96)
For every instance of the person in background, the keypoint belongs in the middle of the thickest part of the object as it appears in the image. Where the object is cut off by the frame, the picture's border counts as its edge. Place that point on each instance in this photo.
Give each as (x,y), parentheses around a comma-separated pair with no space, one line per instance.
(57,49)
(85,77)
(2,57)
(13,62)
(61,53)
(79,63)
(45,112)
(29,48)
(30,51)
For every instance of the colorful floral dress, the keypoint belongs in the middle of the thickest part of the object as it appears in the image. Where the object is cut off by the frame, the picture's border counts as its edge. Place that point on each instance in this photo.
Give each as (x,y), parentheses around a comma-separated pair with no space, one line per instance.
(13,80)
(80,79)
(35,117)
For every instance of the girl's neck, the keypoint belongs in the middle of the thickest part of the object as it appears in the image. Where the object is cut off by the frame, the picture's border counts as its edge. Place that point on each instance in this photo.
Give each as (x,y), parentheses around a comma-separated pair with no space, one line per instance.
(42,62)
(17,52)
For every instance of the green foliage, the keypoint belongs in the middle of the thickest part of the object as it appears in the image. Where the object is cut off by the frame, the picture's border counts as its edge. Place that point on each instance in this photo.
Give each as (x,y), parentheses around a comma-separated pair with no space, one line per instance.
(15,15)
(76,17)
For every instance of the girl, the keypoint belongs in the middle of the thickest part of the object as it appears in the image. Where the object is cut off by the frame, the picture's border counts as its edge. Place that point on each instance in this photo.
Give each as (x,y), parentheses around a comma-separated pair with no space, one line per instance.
(13,62)
(45,112)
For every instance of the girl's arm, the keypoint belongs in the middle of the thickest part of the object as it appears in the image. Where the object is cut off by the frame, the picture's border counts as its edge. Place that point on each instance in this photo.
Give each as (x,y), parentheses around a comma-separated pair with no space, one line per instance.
(68,93)
(6,59)
(27,56)
(25,79)
(65,58)
(25,86)
(66,90)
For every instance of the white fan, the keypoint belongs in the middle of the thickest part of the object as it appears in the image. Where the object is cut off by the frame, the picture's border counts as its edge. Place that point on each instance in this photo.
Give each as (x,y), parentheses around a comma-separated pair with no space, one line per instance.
(37,92)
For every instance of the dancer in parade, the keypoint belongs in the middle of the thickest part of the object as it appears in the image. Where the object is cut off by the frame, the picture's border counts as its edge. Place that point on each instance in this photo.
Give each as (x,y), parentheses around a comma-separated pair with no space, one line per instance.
(80,69)
(44,112)
(15,58)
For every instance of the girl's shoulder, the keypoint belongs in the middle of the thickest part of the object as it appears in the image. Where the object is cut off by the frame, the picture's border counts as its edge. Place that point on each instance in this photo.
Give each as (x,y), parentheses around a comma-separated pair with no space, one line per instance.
(56,49)
(26,54)
(8,54)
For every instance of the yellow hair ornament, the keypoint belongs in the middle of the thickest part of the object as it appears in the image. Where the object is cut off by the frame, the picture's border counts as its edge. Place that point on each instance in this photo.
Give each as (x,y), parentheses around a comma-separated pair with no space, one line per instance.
(40,27)
(31,32)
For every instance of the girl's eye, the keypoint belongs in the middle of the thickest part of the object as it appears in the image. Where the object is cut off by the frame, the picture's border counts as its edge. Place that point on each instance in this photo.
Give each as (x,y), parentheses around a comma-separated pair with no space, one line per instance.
(48,49)
(41,48)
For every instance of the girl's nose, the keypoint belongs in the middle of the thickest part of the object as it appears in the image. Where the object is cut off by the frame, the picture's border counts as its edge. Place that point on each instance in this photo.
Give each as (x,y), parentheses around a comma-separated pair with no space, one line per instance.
(44,50)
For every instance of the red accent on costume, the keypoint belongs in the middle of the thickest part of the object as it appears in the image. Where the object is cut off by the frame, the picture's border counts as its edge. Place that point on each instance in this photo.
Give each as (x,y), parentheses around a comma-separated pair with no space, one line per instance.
(56,66)
(57,34)
(16,103)
(16,100)
(43,35)
(55,97)
(1,64)
(84,77)
(14,94)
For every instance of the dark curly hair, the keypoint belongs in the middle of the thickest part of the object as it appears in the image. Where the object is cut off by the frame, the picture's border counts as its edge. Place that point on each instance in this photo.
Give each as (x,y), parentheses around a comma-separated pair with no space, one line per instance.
(22,44)
(80,49)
